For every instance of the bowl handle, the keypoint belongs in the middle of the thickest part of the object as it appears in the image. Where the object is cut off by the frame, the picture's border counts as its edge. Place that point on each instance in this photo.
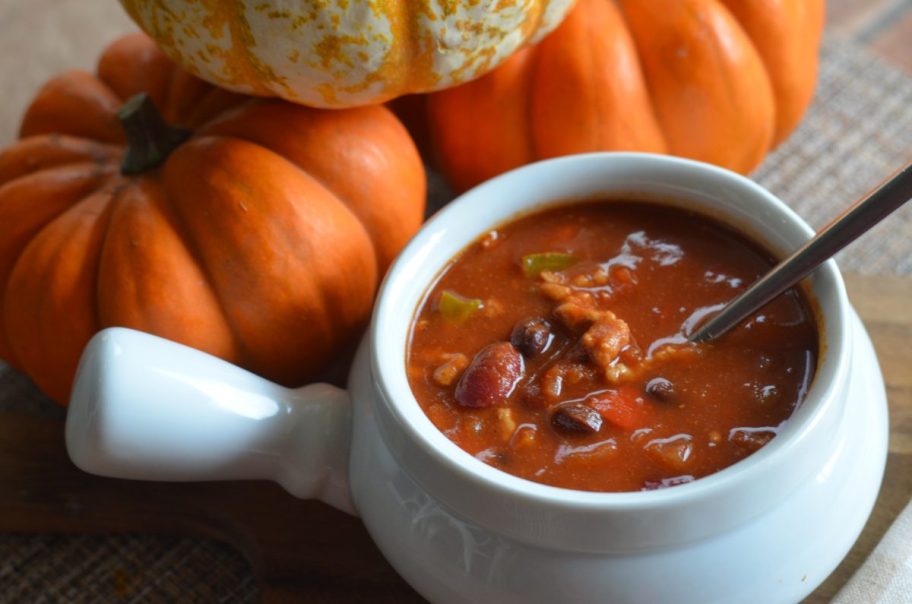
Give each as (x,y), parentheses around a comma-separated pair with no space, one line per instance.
(147,408)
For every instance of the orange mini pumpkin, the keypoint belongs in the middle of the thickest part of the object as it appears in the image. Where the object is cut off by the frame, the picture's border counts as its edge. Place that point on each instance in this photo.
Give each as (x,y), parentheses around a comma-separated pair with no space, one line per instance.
(721,81)
(255,231)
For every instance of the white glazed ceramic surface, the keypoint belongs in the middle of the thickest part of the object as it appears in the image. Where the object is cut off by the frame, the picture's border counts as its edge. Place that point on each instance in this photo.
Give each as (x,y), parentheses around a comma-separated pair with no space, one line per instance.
(552,517)
(768,529)
(778,557)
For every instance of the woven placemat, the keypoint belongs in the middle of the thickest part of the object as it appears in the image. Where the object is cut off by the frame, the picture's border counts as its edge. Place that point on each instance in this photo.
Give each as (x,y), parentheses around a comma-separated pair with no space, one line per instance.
(121,568)
(857,132)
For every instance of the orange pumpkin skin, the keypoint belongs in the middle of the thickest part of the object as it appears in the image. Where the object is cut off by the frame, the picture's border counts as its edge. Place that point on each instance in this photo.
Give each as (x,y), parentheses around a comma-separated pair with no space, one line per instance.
(259,240)
(721,81)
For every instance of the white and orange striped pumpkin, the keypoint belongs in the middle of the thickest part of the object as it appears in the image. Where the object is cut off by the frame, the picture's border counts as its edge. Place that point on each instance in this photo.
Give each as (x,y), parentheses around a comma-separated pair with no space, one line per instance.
(341,53)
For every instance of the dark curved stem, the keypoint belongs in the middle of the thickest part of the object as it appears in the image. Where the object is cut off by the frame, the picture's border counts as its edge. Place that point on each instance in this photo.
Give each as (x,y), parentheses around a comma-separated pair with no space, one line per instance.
(149,139)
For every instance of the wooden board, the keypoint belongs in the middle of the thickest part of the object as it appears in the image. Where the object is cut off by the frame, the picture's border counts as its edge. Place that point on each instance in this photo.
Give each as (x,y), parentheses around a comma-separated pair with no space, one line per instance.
(307,552)
(885,306)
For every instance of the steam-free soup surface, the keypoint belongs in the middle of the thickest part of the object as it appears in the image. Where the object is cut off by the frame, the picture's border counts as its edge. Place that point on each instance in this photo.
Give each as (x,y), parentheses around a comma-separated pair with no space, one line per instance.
(554,348)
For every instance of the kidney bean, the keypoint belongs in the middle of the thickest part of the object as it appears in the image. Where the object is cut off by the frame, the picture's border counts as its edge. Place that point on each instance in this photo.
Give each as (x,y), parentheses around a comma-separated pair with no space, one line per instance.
(491,377)
(532,337)
(660,388)
(577,418)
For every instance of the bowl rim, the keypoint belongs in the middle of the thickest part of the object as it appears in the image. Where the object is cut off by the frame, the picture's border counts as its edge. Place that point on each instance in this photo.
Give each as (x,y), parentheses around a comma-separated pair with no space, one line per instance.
(831,372)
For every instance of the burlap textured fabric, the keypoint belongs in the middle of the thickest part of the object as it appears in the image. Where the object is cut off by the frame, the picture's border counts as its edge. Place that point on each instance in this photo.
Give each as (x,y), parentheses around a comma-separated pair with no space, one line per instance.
(857,133)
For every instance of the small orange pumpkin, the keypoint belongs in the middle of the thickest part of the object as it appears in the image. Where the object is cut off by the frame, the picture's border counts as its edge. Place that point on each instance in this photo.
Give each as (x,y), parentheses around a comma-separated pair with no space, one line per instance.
(255,231)
(721,81)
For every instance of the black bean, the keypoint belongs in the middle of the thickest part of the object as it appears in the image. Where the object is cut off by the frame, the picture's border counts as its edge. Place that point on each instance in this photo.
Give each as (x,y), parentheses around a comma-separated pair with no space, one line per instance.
(577,418)
(661,389)
(578,354)
(532,337)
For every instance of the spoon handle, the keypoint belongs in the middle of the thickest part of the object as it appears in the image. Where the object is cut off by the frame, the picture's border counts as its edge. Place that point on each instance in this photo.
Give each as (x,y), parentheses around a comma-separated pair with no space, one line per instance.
(845,228)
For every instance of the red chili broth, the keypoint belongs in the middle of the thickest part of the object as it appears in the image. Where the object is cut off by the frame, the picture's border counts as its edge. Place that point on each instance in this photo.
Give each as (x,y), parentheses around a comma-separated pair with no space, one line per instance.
(663,265)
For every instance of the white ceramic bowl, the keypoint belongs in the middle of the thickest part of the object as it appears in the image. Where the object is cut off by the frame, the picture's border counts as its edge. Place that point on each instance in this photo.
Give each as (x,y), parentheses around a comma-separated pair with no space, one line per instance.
(767,529)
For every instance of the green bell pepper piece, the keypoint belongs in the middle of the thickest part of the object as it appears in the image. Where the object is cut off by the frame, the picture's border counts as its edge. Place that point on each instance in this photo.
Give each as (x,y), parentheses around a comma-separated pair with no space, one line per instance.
(456,308)
(535,264)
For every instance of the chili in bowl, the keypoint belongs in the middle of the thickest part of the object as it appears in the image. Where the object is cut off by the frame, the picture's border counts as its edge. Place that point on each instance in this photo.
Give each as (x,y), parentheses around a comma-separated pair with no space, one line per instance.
(586,182)
(555,348)
(525,421)
(469,453)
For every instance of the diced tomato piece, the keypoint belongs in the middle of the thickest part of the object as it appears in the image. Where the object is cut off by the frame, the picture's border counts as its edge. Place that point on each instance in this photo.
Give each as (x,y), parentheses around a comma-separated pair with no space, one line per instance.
(672,453)
(624,407)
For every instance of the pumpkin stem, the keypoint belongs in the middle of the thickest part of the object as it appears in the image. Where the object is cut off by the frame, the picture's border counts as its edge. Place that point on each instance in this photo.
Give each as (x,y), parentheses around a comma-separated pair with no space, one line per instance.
(149,139)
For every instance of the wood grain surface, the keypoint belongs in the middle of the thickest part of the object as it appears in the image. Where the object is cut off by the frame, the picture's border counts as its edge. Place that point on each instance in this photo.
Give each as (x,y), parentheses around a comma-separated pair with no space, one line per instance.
(885,306)
(304,551)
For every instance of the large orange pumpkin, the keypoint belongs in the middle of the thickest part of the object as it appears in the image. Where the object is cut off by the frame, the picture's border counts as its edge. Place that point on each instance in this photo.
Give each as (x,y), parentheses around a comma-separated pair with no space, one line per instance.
(721,81)
(256,231)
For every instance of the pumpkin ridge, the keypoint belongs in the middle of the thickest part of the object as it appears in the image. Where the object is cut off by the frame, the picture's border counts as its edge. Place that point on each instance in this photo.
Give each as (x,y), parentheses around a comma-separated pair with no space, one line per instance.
(112,204)
(342,199)
(330,190)
(44,151)
(326,301)
(248,356)
(74,103)
(528,83)
(329,304)
(92,171)
(284,129)
(82,195)
(11,258)
(646,99)
(324,293)
(233,136)
(786,36)
(48,354)
(730,93)
(532,136)
(702,127)
(648,78)
(149,279)
(175,221)
(599,95)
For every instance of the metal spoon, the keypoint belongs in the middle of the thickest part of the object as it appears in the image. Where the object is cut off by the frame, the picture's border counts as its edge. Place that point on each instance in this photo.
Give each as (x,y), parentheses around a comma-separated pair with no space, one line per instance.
(843,230)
